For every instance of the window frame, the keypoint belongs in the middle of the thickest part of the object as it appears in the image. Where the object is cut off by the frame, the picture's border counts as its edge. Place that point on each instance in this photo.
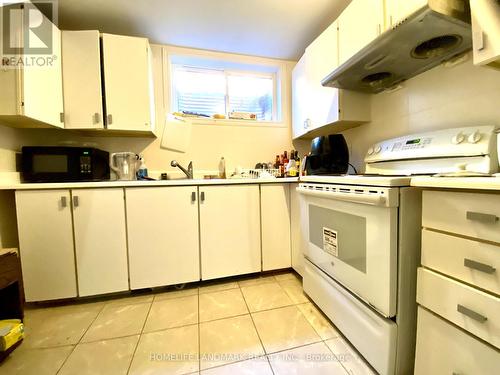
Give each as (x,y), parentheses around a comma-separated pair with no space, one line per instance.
(226,73)
(174,55)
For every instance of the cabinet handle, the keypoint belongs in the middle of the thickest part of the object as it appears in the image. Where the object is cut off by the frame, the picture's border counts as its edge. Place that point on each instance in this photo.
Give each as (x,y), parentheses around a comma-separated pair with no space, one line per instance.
(390,20)
(193,196)
(97,118)
(202,196)
(471,313)
(64,202)
(478,40)
(479,216)
(379,29)
(61,117)
(76,201)
(110,119)
(486,268)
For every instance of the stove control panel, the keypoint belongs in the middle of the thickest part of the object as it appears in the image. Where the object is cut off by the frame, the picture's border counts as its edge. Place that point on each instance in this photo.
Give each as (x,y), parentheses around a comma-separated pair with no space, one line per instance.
(480,140)
(465,150)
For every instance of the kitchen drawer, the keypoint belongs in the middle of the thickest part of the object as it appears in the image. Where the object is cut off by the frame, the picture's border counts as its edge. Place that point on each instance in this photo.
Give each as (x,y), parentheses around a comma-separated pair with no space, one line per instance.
(474,262)
(444,349)
(468,214)
(467,307)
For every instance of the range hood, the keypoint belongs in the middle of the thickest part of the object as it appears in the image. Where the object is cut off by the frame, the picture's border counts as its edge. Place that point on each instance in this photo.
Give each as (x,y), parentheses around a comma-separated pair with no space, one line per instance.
(435,33)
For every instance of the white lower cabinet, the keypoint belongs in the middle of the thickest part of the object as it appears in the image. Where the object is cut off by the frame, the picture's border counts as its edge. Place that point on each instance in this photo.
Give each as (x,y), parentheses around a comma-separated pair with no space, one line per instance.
(46,244)
(92,241)
(295,228)
(100,241)
(229,230)
(444,349)
(275,226)
(162,225)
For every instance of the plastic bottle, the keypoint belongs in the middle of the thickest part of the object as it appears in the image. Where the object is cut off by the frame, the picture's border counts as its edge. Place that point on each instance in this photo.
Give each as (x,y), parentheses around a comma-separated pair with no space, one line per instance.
(222,168)
(142,172)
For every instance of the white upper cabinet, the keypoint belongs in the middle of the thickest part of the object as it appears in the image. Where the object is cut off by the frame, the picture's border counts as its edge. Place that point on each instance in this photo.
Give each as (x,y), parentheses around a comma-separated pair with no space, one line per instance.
(397,10)
(315,106)
(360,23)
(300,122)
(128,83)
(163,242)
(486,32)
(31,96)
(321,59)
(82,80)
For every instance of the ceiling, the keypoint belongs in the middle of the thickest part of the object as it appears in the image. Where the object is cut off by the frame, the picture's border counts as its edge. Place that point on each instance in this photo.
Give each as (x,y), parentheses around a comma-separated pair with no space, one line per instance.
(270,28)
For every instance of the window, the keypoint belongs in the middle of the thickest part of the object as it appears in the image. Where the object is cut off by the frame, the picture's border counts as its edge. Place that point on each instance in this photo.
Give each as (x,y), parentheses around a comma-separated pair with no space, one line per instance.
(210,91)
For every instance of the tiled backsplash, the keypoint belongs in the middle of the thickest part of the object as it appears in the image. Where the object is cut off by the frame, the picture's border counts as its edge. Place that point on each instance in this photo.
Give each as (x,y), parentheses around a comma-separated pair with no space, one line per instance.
(441,98)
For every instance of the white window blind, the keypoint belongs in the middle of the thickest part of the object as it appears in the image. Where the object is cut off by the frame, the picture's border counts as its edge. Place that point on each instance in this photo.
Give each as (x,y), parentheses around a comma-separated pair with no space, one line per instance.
(210,91)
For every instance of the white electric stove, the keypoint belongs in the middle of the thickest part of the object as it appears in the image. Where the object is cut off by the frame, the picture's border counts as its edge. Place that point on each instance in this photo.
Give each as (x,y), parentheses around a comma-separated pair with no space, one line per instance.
(361,237)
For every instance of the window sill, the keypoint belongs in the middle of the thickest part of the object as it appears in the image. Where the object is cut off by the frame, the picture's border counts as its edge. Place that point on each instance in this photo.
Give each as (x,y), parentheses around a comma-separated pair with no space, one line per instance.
(235,122)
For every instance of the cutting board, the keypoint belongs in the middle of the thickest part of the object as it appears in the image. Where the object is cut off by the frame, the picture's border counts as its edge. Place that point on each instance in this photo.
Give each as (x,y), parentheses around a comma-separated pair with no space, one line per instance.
(176,134)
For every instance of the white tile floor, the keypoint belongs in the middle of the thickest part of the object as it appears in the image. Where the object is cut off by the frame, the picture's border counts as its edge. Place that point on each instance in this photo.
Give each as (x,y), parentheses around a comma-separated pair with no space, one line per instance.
(252,325)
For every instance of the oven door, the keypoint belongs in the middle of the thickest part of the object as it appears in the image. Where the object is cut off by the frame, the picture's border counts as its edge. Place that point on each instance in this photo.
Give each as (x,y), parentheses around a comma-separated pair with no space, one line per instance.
(351,234)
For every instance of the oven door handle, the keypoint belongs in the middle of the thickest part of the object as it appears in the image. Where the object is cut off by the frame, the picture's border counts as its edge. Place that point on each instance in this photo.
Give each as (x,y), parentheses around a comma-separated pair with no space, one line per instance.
(375,200)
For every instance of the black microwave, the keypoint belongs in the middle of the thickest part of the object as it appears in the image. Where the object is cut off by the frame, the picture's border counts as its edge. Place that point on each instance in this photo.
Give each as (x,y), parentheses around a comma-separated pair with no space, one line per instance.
(63,164)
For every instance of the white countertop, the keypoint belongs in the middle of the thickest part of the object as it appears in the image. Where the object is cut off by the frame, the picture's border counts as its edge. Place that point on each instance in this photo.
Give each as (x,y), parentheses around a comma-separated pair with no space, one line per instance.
(473,183)
(175,182)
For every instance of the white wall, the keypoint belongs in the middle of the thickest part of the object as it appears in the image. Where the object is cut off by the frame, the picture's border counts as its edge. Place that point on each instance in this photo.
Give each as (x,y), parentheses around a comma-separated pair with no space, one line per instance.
(437,99)
(243,145)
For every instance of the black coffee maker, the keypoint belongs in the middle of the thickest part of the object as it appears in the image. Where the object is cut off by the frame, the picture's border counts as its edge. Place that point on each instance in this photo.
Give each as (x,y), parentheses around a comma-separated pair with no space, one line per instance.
(329,156)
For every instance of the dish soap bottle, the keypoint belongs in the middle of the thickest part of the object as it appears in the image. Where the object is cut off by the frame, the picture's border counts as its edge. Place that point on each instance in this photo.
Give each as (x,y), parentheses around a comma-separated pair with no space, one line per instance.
(222,168)
(142,173)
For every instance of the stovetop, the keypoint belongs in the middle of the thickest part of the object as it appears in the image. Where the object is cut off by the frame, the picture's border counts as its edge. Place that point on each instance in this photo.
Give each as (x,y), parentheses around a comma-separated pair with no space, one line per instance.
(360,179)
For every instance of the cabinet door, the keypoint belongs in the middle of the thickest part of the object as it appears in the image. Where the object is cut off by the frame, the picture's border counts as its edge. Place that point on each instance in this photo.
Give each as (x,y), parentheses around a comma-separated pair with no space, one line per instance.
(299,99)
(127,79)
(275,226)
(359,24)
(46,244)
(229,230)
(296,237)
(321,60)
(163,241)
(397,10)
(82,80)
(100,240)
(486,32)
(42,86)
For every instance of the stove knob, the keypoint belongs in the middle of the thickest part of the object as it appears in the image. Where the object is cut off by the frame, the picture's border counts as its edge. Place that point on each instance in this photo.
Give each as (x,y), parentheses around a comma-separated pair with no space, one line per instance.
(370,151)
(474,137)
(459,138)
(378,149)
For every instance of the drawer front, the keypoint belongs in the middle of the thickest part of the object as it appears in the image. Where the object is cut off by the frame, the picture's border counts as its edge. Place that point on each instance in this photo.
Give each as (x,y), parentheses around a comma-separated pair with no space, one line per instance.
(468,214)
(476,263)
(445,349)
(467,307)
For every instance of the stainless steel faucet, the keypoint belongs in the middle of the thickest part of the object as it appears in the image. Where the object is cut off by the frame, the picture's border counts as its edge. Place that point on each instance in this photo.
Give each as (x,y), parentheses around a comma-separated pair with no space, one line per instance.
(188,172)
